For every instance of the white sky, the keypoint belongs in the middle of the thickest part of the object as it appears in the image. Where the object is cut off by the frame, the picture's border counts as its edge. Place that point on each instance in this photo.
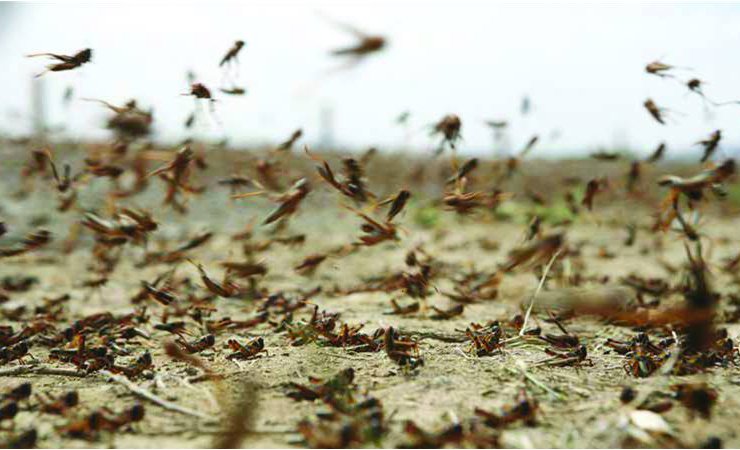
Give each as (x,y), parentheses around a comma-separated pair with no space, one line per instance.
(582,65)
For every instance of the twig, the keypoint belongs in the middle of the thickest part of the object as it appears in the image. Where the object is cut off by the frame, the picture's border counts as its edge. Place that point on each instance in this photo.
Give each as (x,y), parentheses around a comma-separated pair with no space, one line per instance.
(41,370)
(336,355)
(536,382)
(462,353)
(676,350)
(60,372)
(537,291)
(143,393)
(444,337)
(207,377)
(17,370)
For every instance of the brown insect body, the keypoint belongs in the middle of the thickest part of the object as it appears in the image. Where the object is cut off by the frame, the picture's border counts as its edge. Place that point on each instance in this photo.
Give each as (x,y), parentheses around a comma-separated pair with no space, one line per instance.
(67,62)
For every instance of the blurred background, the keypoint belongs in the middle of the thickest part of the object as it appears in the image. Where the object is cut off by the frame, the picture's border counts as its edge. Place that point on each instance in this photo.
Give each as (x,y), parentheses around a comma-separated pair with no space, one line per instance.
(580,67)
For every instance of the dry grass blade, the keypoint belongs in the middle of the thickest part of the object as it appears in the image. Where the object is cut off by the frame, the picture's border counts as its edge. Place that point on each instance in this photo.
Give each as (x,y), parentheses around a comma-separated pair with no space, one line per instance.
(146,395)
(537,291)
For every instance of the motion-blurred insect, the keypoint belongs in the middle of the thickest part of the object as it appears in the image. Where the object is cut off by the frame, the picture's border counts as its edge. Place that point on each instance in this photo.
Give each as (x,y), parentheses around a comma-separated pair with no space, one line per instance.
(398,202)
(200,92)
(693,188)
(8,411)
(658,68)
(63,182)
(289,201)
(445,314)
(233,54)
(309,265)
(695,85)
(403,118)
(710,144)
(367,44)
(375,231)
(592,188)
(60,405)
(497,124)
(69,93)
(467,167)
(526,105)
(698,398)
(605,156)
(633,176)
(26,439)
(20,392)
(190,120)
(288,144)
(225,289)
(30,242)
(657,154)
(352,185)
(525,410)
(233,90)
(538,252)
(449,128)
(113,422)
(67,62)
(656,112)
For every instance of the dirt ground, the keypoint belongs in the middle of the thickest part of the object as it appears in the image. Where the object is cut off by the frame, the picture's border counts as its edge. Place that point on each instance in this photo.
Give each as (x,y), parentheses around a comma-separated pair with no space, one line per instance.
(578,406)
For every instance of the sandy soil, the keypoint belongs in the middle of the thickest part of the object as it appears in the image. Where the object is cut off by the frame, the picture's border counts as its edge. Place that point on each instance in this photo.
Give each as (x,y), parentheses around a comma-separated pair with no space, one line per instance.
(579,407)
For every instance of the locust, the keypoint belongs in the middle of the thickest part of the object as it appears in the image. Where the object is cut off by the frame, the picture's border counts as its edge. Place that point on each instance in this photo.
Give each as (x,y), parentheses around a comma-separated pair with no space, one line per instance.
(374,231)
(197,345)
(657,153)
(397,202)
(449,128)
(513,162)
(463,171)
(309,265)
(250,350)
(367,44)
(399,310)
(538,252)
(200,91)
(32,241)
(605,156)
(445,314)
(59,406)
(66,62)
(288,201)
(26,439)
(225,289)
(8,411)
(232,54)
(698,398)
(352,186)
(710,144)
(592,188)
(287,145)
(655,111)
(525,410)
(694,187)
(235,90)
(18,393)
(658,68)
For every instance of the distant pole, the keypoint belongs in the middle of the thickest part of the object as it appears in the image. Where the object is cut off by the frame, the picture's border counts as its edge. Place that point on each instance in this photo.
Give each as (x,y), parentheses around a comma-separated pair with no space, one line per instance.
(326,127)
(38,108)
